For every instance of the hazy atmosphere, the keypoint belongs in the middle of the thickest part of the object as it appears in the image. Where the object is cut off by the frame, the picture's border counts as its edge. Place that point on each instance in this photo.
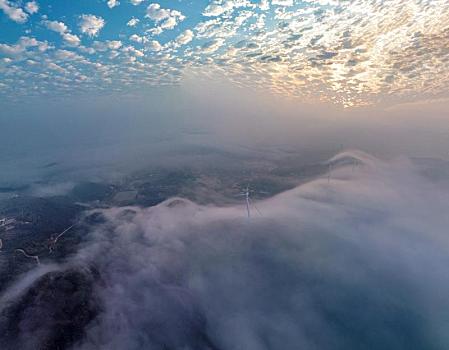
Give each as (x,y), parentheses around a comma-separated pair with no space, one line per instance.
(224,174)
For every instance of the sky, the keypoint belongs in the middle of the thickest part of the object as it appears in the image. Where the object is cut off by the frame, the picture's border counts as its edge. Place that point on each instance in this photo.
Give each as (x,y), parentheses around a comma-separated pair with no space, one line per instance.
(347,53)
(114,78)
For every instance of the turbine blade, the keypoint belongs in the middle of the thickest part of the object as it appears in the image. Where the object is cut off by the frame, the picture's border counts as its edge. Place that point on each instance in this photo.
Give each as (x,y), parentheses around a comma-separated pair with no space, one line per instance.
(67,229)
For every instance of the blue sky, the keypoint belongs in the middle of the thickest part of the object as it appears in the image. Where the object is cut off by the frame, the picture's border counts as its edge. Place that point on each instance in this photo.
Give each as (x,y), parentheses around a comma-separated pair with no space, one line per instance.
(351,53)
(117,17)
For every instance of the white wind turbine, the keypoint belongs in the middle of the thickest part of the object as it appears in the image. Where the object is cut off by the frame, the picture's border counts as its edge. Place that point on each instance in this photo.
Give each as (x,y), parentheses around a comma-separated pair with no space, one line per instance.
(53,241)
(247,194)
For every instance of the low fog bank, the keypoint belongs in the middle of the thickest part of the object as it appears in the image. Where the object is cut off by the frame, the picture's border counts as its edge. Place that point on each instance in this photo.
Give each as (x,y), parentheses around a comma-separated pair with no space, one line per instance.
(354,261)
(57,143)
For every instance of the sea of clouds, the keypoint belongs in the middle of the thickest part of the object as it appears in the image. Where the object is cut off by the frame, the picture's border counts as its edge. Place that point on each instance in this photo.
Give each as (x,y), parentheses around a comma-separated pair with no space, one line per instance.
(359,260)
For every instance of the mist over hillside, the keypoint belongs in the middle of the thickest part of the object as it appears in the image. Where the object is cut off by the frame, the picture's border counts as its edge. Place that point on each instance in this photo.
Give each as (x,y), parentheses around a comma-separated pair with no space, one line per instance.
(354,260)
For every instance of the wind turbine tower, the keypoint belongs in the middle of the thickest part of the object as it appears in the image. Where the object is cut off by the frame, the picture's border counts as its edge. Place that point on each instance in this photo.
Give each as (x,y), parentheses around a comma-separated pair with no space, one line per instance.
(246,193)
(247,201)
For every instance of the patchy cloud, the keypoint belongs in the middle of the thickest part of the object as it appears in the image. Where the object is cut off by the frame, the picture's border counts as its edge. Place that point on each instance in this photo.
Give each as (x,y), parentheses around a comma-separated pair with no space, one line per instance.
(14,12)
(60,27)
(165,18)
(32,7)
(154,45)
(218,8)
(113,3)
(22,46)
(350,53)
(132,22)
(185,37)
(91,24)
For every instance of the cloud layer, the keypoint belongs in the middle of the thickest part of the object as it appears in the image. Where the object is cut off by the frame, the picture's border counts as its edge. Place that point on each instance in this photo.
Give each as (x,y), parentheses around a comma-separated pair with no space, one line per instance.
(346,52)
(357,262)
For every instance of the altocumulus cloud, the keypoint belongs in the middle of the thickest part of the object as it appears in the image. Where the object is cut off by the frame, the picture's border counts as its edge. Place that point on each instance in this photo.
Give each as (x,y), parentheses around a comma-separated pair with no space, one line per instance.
(91,24)
(356,263)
